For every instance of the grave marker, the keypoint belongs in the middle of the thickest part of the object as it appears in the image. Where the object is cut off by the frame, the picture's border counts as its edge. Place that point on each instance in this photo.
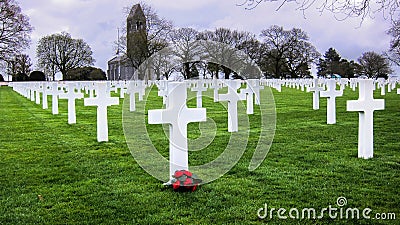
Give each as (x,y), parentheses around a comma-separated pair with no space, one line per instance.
(44,95)
(255,84)
(366,105)
(133,88)
(216,86)
(177,115)
(316,89)
(71,95)
(331,93)
(248,92)
(54,92)
(37,87)
(232,97)
(199,89)
(31,91)
(102,101)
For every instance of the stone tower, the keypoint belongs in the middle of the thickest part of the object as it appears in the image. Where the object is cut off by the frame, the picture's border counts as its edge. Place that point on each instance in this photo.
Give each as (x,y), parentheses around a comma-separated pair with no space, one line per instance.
(122,67)
(136,26)
(136,37)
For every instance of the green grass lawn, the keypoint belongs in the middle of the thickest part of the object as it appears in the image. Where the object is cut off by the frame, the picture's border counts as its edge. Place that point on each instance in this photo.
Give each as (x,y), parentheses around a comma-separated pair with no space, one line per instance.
(81,181)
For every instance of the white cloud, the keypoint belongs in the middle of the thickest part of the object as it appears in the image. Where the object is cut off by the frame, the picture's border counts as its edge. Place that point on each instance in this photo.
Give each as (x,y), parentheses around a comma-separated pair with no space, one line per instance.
(181,5)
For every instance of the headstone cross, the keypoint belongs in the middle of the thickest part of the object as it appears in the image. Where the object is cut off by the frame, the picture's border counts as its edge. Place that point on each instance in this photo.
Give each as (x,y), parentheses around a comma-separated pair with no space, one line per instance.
(102,101)
(366,105)
(71,95)
(199,89)
(316,89)
(331,93)
(232,97)
(177,115)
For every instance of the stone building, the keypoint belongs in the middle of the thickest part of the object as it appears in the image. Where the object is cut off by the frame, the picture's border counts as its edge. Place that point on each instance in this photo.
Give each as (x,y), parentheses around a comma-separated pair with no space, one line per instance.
(120,67)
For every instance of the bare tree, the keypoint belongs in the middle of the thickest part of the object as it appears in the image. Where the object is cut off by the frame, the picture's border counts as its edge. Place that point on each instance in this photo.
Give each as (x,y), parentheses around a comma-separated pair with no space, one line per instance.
(288,51)
(231,41)
(61,53)
(186,49)
(163,63)
(14,30)
(276,41)
(346,8)
(19,64)
(301,54)
(394,50)
(374,65)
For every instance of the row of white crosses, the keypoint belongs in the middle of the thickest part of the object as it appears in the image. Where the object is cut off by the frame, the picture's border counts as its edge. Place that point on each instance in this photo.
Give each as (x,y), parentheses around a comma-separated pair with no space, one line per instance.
(174,95)
(72,91)
(178,115)
(365,105)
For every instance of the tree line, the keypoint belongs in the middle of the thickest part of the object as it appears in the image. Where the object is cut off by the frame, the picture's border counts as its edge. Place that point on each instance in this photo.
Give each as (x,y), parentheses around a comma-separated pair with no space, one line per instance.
(279,52)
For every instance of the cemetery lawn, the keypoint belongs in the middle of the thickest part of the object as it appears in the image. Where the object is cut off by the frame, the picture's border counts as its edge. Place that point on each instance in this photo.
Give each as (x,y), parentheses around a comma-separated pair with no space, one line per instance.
(56,173)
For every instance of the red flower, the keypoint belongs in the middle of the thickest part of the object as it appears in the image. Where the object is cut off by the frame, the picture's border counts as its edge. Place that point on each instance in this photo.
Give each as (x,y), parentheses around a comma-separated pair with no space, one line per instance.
(188,182)
(187,173)
(176,185)
(178,173)
(185,181)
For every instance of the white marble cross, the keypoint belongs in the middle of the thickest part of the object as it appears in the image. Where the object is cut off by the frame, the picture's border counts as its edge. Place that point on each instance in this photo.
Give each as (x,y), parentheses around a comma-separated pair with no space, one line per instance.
(232,97)
(343,82)
(142,89)
(44,95)
(256,89)
(117,85)
(392,86)
(366,105)
(71,95)
(31,91)
(90,88)
(133,88)
(316,89)
(102,101)
(37,87)
(199,89)
(216,86)
(249,98)
(163,90)
(122,90)
(277,85)
(353,83)
(382,85)
(54,92)
(177,115)
(331,93)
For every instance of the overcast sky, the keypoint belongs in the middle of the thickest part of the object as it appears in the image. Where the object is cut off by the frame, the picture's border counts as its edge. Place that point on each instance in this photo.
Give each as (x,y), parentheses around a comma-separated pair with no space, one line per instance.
(96,22)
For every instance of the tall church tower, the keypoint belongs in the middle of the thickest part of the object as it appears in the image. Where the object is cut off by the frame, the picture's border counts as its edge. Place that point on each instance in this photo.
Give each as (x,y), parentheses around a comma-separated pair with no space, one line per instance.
(136,36)
(122,67)
(136,25)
